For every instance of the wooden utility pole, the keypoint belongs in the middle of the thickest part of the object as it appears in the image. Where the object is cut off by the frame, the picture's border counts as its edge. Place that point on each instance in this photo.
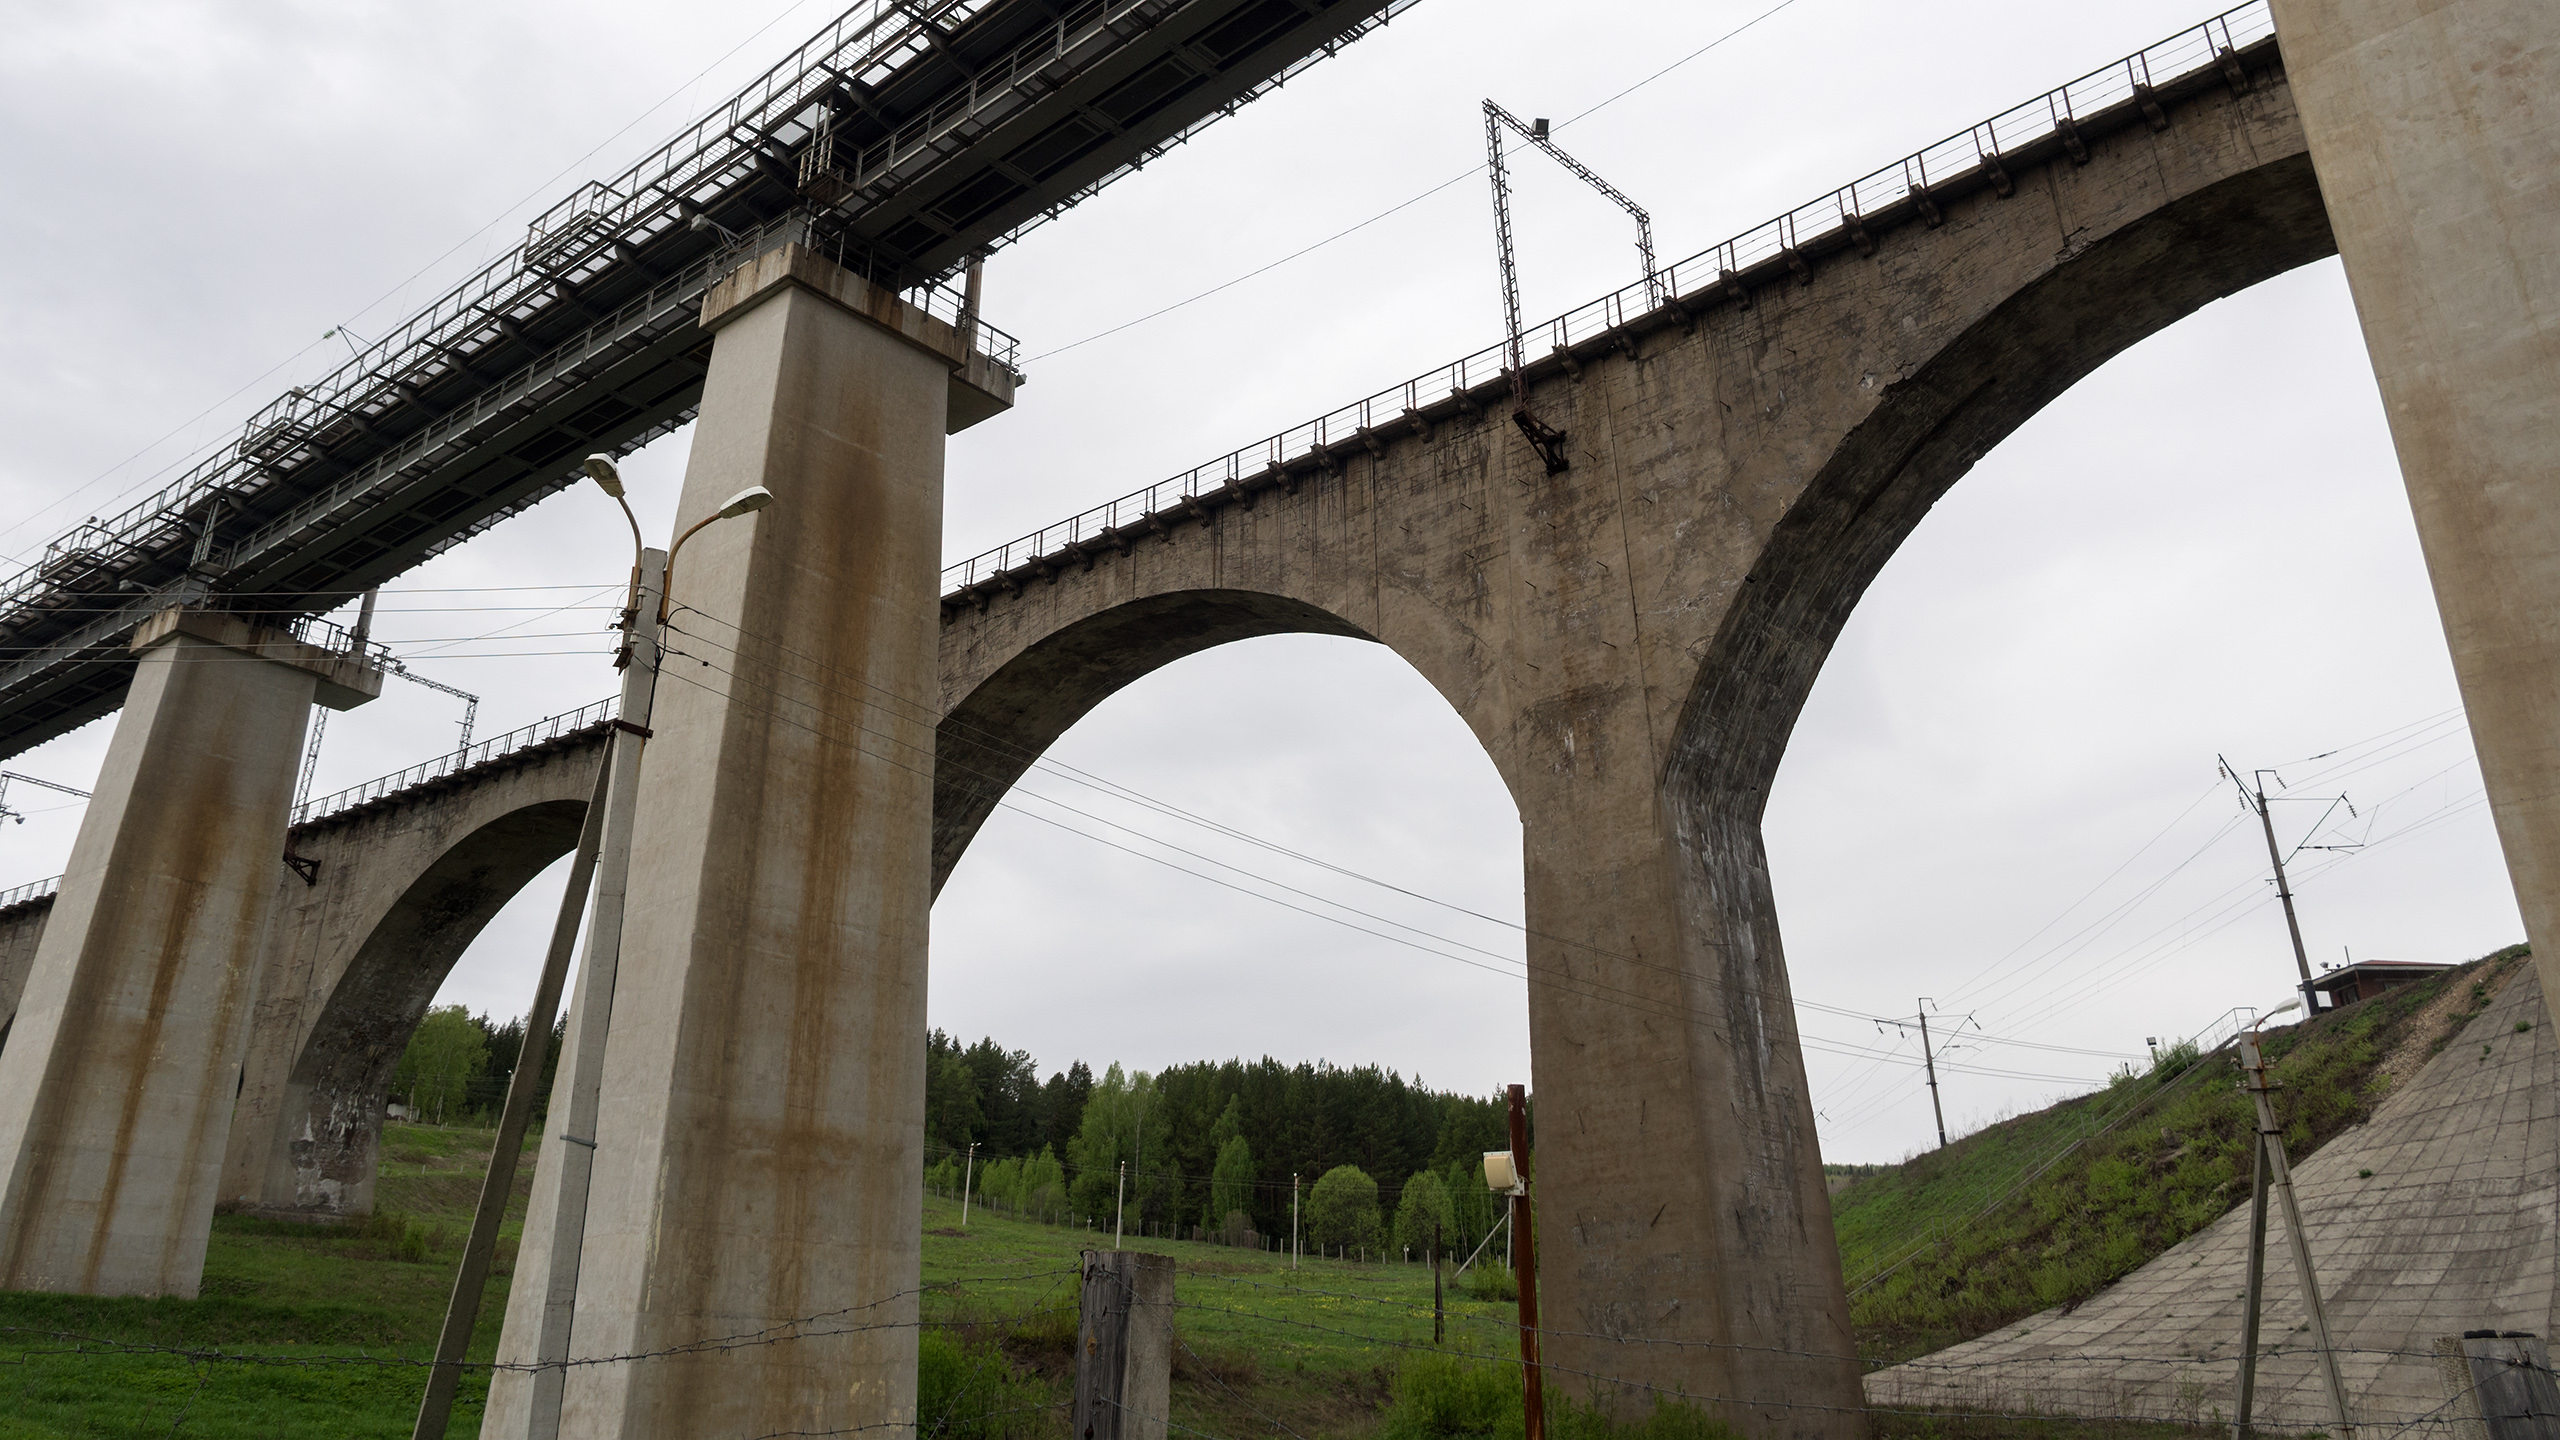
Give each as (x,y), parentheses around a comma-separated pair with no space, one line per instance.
(1124,1363)
(1524,1236)
(2273,1172)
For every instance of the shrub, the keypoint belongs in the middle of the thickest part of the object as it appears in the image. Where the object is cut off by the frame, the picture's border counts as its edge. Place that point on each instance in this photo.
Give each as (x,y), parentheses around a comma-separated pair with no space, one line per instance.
(1439,1397)
(1488,1281)
(969,1392)
(1342,1210)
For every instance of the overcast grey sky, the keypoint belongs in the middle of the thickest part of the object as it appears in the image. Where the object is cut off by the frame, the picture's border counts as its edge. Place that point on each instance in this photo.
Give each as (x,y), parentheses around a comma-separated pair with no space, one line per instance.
(2002,794)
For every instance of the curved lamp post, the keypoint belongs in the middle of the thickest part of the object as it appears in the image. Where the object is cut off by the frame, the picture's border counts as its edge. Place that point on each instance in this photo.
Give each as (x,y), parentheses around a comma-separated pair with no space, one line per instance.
(603,863)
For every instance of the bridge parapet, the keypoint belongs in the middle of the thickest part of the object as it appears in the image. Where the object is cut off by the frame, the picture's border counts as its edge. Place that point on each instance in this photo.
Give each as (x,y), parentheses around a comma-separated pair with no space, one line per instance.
(2225,50)
(550,733)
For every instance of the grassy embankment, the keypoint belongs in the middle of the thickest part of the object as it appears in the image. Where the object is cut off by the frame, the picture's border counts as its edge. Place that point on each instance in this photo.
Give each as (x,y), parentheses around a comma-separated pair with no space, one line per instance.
(1960,1241)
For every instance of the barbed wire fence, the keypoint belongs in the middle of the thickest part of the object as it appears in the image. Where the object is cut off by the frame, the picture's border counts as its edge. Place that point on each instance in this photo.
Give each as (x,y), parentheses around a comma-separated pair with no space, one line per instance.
(204,1362)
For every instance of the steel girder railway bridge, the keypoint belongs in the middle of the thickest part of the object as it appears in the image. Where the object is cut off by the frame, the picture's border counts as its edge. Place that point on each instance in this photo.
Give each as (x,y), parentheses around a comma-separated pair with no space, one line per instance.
(903,141)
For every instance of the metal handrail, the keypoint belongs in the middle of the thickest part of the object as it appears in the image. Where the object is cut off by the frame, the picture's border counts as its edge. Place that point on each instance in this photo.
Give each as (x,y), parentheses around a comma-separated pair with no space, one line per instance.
(32,890)
(1974,151)
(481,752)
(588,234)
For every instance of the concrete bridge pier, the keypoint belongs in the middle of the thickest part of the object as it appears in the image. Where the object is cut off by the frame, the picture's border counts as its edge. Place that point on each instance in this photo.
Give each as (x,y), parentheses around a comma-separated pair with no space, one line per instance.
(119,1072)
(2435,133)
(1679,1178)
(754,1168)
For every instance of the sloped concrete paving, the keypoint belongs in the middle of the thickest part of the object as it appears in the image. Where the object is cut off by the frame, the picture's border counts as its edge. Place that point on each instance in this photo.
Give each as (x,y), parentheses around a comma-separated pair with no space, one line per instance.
(2453,1231)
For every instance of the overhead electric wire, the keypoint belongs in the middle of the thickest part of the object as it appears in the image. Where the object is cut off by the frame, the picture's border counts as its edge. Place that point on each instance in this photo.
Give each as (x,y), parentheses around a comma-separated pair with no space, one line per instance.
(1581,988)
(942,760)
(205,447)
(1402,205)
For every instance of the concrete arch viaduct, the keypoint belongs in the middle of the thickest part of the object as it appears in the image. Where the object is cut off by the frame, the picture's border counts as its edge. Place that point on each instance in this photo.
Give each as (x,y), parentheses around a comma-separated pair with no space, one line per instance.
(400,884)
(1630,638)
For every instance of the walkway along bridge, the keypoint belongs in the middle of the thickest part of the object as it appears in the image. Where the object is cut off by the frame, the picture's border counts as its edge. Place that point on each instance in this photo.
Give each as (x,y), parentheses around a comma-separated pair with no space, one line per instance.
(1630,638)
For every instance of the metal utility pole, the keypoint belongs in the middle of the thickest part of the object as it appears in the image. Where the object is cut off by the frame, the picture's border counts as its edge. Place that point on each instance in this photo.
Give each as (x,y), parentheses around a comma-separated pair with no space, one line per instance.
(356,639)
(967,1173)
(1119,1204)
(591,1011)
(8,775)
(1545,439)
(603,844)
(462,1312)
(470,702)
(2256,799)
(1929,1062)
(2271,1168)
(1524,1235)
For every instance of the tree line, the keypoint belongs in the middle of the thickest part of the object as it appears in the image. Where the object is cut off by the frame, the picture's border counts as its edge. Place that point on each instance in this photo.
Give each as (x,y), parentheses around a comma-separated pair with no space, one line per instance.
(1373,1161)
(457,1066)
(1376,1160)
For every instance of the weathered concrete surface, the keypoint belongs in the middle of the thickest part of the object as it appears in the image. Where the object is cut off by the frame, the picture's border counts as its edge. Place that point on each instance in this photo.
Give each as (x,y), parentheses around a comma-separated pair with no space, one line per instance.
(755,1163)
(405,884)
(2452,1231)
(2435,128)
(117,1083)
(1631,640)
(21,926)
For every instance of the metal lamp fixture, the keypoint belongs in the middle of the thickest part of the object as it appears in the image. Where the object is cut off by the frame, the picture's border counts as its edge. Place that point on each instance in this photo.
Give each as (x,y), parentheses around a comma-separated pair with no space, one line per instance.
(1501,1175)
(600,468)
(745,502)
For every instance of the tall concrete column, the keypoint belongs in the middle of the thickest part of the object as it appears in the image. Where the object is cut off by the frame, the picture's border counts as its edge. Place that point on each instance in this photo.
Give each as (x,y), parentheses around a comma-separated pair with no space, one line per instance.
(117,1080)
(756,1158)
(1684,1230)
(2434,126)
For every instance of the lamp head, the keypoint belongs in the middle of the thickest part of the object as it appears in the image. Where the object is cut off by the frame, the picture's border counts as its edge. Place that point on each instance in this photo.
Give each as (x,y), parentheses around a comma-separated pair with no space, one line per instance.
(745,502)
(699,221)
(600,468)
(1501,1175)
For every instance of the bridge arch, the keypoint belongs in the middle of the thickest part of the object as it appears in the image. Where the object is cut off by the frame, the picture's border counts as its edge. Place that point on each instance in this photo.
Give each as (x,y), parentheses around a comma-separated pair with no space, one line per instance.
(1633,639)
(1008,718)
(404,884)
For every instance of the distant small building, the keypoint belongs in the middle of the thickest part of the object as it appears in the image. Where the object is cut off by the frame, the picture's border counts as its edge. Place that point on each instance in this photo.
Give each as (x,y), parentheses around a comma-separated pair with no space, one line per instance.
(2347,984)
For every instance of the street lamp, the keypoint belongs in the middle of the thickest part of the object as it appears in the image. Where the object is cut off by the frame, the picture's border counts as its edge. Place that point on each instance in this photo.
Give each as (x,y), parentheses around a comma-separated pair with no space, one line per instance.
(603,861)
(745,502)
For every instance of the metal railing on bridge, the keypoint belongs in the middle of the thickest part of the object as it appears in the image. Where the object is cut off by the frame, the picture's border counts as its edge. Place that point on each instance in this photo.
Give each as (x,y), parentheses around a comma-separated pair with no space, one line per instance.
(32,890)
(481,752)
(1973,153)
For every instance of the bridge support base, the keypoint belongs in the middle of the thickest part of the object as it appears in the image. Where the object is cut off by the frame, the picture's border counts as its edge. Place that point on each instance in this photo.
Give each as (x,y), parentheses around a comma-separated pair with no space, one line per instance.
(117,1079)
(755,1161)
(2438,150)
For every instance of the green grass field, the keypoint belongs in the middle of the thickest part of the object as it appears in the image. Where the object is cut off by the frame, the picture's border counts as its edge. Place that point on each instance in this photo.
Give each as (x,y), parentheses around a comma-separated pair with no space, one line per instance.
(321,1331)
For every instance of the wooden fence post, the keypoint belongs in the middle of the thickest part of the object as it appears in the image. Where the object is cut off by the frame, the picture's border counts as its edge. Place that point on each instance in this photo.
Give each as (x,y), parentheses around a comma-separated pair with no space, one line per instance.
(1124,1363)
